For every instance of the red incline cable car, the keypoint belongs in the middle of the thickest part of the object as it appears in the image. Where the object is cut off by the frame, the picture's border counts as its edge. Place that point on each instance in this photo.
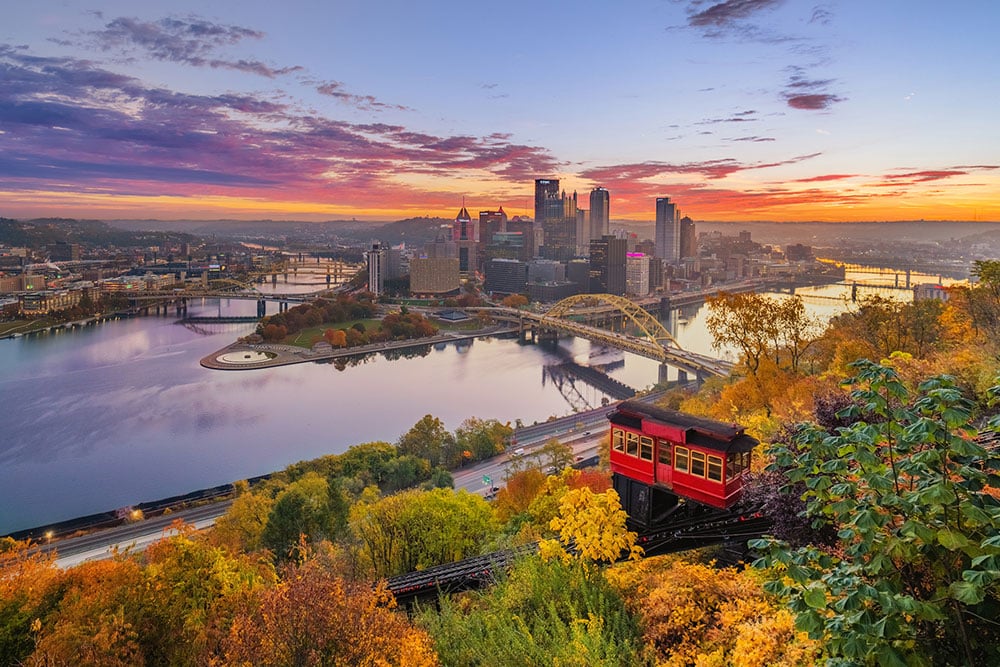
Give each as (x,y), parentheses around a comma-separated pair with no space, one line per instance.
(658,455)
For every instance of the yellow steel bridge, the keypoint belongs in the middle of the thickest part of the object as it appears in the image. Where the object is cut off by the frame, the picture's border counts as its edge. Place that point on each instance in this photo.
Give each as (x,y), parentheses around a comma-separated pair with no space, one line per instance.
(652,339)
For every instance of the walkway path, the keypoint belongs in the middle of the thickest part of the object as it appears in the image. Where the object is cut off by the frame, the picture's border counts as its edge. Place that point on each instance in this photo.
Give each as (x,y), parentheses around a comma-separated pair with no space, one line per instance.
(246,356)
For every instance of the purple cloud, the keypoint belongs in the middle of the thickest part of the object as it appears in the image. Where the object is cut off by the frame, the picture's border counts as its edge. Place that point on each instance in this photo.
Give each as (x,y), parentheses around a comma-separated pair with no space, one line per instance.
(808,94)
(812,102)
(753,139)
(728,13)
(69,121)
(190,41)
(335,89)
(711,169)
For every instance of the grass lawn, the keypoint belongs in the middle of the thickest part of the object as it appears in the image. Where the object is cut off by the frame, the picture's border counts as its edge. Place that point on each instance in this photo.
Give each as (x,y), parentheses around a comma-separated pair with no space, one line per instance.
(469,325)
(305,337)
(22,326)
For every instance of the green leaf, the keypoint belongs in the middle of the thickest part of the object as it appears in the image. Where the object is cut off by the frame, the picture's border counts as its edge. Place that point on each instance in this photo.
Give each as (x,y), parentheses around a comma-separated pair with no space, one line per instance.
(966,592)
(810,622)
(979,577)
(975,514)
(815,597)
(992,542)
(936,494)
(952,539)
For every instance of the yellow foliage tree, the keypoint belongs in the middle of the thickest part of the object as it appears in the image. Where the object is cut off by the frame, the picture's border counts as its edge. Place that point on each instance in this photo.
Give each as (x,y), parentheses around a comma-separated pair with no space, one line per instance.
(593,525)
(695,614)
(241,527)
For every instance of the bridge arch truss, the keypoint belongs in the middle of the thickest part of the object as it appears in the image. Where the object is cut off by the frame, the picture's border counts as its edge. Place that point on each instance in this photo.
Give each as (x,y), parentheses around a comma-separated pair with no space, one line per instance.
(651,328)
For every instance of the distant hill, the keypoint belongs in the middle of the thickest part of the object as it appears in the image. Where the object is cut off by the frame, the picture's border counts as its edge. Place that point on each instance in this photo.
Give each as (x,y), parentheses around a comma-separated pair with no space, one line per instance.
(412,231)
(830,233)
(43,231)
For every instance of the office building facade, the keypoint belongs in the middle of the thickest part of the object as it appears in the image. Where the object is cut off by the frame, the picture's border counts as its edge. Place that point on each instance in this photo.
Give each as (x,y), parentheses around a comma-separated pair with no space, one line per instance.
(600,210)
(376,258)
(607,265)
(668,230)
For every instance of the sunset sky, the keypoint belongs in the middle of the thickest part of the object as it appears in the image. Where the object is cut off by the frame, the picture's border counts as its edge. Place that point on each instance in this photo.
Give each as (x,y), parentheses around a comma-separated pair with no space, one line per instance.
(369,109)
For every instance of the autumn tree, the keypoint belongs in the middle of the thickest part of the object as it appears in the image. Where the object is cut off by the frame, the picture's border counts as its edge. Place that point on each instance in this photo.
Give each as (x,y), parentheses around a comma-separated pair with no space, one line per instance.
(593,526)
(555,455)
(335,337)
(760,326)
(429,439)
(304,507)
(696,614)
(797,330)
(98,618)
(416,529)
(194,590)
(241,527)
(516,495)
(515,301)
(482,438)
(28,579)
(540,614)
(315,618)
(983,298)
(745,321)
(915,577)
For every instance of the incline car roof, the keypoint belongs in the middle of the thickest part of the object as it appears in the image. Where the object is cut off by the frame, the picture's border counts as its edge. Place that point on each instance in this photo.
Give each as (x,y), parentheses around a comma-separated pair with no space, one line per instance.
(731,434)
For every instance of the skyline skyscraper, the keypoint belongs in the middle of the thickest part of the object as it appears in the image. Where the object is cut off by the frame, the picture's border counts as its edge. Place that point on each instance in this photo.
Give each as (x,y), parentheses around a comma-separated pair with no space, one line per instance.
(600,209)
(376,268)
(668,230)
(546,194)
(466,237)
(607,265)
(689,239)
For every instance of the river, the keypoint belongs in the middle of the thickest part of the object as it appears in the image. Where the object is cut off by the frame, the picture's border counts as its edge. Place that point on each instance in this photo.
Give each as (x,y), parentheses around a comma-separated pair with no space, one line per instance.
(121,413)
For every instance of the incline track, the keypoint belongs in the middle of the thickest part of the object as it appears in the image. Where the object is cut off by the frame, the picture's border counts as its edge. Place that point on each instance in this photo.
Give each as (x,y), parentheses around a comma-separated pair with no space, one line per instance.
(692,527)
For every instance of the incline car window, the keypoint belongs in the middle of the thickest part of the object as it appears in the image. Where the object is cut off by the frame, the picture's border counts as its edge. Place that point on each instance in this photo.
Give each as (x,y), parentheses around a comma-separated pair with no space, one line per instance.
(663,453)
(698,464)
(715,468)
(681,459)
(646,448)
(618,440)
(631,444)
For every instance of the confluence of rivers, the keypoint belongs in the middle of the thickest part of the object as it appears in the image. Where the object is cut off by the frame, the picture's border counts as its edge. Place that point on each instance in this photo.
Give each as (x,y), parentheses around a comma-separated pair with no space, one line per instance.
(122,413)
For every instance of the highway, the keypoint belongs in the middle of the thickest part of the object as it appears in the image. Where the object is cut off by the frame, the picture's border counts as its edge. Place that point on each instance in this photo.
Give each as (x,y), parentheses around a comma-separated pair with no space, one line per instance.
(133,536)
(585,432)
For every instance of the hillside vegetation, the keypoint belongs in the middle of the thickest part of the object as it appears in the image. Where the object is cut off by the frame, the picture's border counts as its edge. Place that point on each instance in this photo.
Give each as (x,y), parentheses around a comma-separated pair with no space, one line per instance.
(878,469)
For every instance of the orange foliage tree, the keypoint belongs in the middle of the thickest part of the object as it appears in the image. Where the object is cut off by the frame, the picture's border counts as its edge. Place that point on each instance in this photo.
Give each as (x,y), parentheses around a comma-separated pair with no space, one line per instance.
(335,337)
(315,618)
(27,579)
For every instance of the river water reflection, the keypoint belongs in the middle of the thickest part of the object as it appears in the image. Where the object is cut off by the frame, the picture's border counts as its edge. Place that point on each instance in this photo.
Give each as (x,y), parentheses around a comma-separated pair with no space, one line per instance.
(122,413)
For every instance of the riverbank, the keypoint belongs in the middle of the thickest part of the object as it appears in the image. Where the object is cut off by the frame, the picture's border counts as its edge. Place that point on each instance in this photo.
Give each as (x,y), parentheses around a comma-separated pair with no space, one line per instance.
(246,356)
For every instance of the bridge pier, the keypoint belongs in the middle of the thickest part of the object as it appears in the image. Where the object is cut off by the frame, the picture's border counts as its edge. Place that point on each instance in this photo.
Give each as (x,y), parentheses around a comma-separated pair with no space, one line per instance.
(548,336)
(261,308)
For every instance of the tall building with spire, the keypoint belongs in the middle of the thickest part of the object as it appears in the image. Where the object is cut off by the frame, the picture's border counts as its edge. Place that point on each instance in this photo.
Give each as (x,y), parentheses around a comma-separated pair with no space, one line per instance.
(465,234)
(600,208)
